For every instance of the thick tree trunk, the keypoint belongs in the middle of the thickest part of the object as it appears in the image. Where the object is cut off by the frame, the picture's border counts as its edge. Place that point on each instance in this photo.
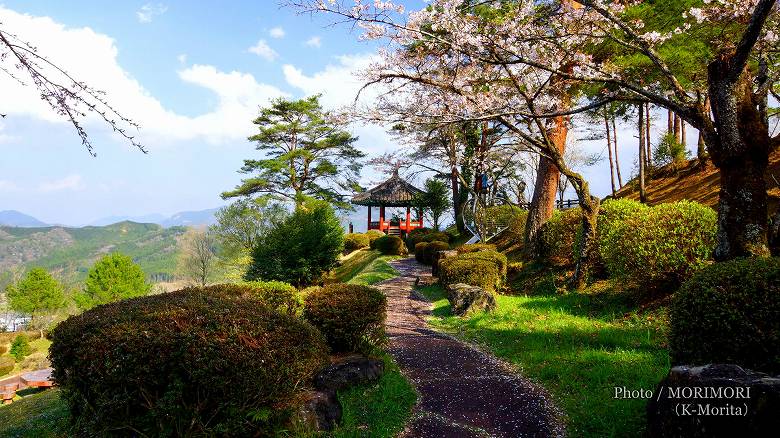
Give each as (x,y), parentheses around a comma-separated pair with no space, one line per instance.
(642,159)
(545,190)
(740,149)
(590,210)
(457,207)
(677,133)
(609,148)
(649,152)
(617,157)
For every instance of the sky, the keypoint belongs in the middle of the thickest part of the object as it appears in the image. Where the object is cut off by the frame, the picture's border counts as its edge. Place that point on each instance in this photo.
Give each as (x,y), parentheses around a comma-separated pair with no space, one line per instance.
(193,75)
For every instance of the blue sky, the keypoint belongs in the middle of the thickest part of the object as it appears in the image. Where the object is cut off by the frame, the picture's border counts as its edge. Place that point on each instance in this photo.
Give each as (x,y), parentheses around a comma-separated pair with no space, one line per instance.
(192,74)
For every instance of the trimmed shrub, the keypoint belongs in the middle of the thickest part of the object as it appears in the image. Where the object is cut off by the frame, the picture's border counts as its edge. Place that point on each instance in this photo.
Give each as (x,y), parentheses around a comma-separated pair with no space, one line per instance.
(391,245)
(20,347)
(277,295)
(301,249)
(430,250)
(475,272)
(474,247)
(135,366)
(372,236)
(355,241)
(559,236)
(729,313)
(611,215)
(425,235)
(663,245)
(6,365)
(419,250)
(496,257)
(350,316)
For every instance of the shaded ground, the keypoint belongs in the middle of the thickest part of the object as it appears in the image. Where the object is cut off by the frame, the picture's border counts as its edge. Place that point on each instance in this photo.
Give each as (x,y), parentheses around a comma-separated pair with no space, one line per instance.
(462,392)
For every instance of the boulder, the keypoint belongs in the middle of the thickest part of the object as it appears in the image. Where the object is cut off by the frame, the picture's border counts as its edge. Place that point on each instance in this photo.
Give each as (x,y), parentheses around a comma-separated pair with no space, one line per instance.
(465,299)
(321,410)
(437,257)
(716,400)
(349,371)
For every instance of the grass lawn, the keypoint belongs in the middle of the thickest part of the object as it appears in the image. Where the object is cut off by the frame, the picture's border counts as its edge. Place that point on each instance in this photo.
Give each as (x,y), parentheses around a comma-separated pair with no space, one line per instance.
(578,346)
(380,410)
(351,264)
(377,270)
(39,415)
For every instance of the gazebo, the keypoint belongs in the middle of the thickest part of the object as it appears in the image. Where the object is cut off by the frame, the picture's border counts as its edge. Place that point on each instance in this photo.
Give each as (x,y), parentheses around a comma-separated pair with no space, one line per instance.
(395,192)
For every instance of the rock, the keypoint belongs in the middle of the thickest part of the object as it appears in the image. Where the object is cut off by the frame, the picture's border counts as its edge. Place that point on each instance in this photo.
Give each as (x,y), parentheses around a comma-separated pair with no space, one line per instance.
(717,400)
(349,371)
(321,411)
(465,299)
(438,256)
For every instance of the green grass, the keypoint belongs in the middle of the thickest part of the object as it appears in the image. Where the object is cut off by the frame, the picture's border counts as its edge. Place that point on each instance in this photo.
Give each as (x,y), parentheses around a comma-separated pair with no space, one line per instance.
(578,346)
(40,415)
(352,264)
(376,271)
(379,410)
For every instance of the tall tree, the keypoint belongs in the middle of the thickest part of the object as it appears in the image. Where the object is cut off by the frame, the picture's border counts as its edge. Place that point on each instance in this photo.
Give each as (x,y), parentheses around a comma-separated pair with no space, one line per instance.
(197,256)
(434,201)
(617,157)
(609,150)
(36,294)
(112,278)
(306,153)
(642,151)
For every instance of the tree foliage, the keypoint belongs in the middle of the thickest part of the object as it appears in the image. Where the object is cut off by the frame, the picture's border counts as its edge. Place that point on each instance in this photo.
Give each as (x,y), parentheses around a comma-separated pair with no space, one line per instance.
(38,292)
(306,152)
(197,260)
(114,277)
(434,201)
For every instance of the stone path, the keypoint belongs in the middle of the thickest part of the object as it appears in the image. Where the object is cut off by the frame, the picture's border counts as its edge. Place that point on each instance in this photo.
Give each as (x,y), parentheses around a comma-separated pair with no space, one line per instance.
(463,392)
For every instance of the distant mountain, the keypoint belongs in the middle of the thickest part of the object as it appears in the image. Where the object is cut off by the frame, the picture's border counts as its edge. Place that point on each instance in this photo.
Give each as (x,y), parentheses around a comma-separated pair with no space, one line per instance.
(191,218)
(13,218)
(184,218)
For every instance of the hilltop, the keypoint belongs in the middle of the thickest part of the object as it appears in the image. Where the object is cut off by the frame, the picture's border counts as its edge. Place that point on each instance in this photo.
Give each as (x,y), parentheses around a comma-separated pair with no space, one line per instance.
(15,218)
(698,183)
(70,252)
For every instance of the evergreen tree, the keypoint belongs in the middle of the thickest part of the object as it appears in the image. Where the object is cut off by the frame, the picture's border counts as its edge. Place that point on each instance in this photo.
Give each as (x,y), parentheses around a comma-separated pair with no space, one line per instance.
(37,293)
(435,200)
(114,277)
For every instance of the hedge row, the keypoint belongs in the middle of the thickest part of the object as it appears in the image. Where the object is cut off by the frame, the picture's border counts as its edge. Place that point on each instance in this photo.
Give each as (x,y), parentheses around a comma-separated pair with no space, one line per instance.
(425,235)
(355,241)
(391,245)
(486,269)
(424,252)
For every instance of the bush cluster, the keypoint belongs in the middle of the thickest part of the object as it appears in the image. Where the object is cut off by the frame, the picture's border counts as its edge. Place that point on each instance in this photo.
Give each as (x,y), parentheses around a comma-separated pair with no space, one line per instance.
(372,236)
(391,245)
(20,347)
(425,235)
(419,251)
(475,247)
(431,249)
(497,258)
(662,245)
(475,272)
(277,295)
(559,238)
(729,313)
(355,241)
(136,366)
(6,365)
(350,316)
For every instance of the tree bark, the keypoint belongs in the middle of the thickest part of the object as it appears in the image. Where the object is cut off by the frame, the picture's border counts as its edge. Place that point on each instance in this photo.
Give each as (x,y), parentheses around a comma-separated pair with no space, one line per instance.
(545,190)
(677,128)
(649,152)
(701,149)
(609,148)
(642,159)
(684,141)
(740,149)
(617,158)
(457,206)
(669,122)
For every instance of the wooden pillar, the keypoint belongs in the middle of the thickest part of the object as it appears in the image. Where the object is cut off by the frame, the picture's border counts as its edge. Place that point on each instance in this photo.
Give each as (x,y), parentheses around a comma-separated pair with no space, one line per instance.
(408,218)
(369,218)
(381,217)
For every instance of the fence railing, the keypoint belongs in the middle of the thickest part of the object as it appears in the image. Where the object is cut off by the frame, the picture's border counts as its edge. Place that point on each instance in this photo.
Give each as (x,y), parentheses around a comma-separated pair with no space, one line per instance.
(560,205)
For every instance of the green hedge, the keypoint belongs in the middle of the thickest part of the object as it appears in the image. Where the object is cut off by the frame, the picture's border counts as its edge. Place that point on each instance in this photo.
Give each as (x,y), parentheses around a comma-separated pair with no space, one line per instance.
(391,245)
(496,257)
(476,272)
(430,250)
(419,251)
(662,245)
(355,241)
(559,238)
(729,313)
(350,316)
(135,367)
(474,247)
(277,295)
(425,235)
(372,236)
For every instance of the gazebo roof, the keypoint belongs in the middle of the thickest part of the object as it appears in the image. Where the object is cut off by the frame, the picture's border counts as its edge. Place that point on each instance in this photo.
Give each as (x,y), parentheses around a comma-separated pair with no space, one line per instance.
(395,192)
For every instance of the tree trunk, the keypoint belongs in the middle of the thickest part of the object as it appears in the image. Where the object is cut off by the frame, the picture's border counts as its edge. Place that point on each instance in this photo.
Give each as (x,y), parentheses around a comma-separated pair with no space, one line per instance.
(545,190)
(457,206)
(649,152)
(740,149)
(677,128)
(642,159)
(669,122)
(609,148)
(617,158)
(701,149)
(590,209)
(683,141)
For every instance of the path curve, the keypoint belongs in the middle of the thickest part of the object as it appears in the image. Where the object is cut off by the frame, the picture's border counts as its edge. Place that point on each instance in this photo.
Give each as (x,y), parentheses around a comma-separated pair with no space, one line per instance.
(463,392)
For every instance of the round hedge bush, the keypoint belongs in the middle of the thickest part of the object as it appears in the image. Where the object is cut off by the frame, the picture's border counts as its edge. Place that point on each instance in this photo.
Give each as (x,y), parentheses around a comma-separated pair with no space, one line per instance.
(496,257)
(6,365)
(429,253)
(350,316)
(729,313)
(475,272)
(355,241)
(663,245)
(425,235)
(419,251)
(136,366)
(278,295)
(391,245)
(475,247)
(559,237)
(372,236)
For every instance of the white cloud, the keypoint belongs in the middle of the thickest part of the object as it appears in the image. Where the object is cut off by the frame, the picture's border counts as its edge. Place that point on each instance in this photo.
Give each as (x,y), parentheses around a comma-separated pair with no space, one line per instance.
(70,182)
(92,58)
(182,58)
(263,50)
(148,11)
(277,32)
(314,41)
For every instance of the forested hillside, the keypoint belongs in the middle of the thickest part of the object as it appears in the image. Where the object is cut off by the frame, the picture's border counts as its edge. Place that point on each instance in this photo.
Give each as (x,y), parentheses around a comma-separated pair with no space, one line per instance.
(69,252)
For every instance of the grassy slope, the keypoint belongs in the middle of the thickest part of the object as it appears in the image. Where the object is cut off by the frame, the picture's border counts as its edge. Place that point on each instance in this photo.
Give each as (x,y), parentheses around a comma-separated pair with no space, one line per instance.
(363,267)
(578,346)
(41,415)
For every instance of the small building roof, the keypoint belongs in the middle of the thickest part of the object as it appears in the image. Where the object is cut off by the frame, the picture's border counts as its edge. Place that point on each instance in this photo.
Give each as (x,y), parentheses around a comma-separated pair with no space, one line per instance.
(395,192)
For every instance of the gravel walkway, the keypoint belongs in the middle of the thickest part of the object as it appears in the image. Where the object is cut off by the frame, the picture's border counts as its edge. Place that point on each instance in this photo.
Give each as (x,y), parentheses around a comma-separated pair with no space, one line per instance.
(463,392)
